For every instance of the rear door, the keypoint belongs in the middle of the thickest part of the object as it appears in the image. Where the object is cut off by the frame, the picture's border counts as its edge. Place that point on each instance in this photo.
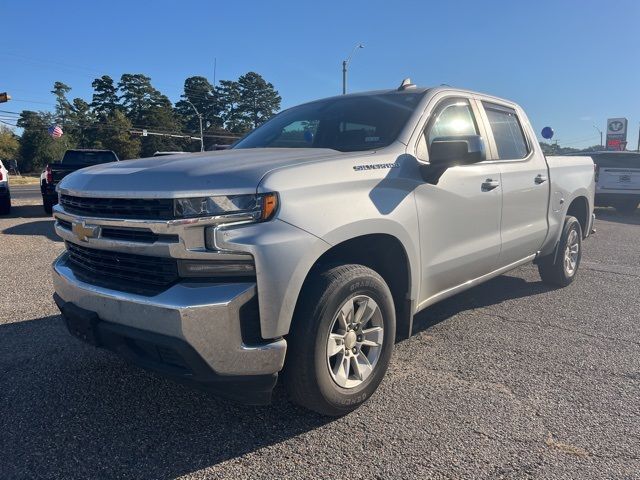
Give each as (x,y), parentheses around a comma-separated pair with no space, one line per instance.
(525,182)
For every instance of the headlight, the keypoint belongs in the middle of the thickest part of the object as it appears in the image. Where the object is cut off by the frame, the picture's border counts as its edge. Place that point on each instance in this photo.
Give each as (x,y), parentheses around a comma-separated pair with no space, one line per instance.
(260,207)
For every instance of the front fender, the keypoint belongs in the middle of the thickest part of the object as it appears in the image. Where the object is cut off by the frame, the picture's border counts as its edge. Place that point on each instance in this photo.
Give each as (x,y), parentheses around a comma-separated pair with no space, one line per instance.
(283,255)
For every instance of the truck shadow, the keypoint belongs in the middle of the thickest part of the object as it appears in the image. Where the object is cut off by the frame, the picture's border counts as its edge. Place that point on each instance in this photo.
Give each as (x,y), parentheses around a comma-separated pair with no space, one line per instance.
(498,290)
(76,412)
(611,215)
(27,211)
(43,228)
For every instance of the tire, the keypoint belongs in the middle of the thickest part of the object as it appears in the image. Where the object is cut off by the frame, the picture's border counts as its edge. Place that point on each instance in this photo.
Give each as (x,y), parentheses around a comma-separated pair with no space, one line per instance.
(626,206)
(313,378)
(5,206)
(567,260)
(48,205)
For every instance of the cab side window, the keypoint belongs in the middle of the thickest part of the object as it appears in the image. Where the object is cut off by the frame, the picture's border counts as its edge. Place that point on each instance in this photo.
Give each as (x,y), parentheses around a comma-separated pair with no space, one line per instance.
(451,118)
(507,132)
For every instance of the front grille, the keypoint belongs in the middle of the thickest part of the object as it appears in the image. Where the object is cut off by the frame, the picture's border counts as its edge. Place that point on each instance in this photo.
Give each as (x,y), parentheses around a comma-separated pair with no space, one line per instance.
(142,235)
(138,208)
(139,270)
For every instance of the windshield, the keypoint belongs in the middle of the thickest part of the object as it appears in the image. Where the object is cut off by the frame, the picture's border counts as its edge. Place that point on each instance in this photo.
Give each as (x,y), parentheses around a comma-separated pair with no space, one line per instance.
(347,124)
(88,158)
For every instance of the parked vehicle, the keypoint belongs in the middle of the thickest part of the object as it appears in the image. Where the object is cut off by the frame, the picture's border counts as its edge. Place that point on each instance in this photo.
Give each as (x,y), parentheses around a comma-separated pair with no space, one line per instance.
(617,180)
(307,249)
(71,161)
(5,192)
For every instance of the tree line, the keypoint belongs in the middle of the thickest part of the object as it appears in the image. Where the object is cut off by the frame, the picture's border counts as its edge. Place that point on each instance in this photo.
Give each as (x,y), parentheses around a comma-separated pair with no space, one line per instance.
(228,110)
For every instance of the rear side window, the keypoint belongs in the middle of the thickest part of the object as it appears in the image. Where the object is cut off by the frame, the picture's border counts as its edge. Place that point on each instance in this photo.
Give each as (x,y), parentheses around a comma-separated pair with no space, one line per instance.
(507,132)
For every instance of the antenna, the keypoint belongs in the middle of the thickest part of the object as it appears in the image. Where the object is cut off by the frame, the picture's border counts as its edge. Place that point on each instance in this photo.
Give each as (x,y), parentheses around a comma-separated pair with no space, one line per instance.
(406,84)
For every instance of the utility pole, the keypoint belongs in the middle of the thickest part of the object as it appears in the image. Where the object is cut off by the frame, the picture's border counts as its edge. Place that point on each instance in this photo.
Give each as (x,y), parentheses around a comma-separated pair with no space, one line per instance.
(638,149)
(200,120)
(345,65)
(600,132)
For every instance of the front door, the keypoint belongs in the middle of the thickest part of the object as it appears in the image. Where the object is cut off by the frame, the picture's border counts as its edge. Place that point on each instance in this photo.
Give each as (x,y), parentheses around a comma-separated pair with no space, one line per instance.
(459,218)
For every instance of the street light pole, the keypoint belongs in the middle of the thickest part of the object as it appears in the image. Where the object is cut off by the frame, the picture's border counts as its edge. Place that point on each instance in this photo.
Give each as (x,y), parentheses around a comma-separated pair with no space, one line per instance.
(200,120)
(345,65)
(600,132)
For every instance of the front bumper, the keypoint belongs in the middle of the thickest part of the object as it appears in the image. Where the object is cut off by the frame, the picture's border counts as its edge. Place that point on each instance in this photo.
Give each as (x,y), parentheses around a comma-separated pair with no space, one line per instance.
(201,320)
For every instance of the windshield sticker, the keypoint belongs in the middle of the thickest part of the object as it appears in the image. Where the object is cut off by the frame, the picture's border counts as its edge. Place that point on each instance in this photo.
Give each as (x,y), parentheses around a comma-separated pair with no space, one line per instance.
(371,139)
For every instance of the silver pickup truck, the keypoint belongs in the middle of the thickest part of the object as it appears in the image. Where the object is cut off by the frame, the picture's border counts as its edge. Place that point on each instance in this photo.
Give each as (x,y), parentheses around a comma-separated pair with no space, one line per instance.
(307,249)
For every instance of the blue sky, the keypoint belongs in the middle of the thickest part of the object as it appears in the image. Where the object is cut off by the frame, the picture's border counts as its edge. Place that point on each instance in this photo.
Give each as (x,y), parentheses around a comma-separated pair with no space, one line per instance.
(569,63)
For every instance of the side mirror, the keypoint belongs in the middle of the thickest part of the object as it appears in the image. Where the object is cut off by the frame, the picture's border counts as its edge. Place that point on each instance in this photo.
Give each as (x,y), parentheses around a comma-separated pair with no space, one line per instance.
(451,151)
(448,152)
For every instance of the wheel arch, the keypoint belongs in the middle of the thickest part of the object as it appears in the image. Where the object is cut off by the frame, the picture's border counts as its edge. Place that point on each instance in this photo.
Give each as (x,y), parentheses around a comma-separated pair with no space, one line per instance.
(579,208)
(383,253)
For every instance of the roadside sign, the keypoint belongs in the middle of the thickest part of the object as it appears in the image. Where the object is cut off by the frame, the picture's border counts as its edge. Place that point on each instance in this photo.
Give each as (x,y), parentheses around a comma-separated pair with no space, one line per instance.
(616,133)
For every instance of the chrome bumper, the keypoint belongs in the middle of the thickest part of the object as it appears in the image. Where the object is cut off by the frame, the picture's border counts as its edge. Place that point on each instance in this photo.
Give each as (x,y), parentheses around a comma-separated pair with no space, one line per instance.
(204,315)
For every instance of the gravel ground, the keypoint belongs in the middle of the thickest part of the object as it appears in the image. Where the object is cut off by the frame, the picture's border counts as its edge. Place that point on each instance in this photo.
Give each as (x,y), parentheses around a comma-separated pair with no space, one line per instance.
(508,380)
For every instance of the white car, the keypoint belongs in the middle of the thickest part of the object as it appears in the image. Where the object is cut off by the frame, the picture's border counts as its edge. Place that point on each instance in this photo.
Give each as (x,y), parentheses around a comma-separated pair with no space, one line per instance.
(5,194)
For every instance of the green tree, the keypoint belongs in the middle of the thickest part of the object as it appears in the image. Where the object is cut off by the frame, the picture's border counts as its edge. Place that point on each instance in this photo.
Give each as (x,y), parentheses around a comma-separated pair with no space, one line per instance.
(81,123)
(9,144)
(162,120)
(228,94)
(105,99)
(37,148)
(259,100)
(202,95)
(114,134)
(139,96)
(63,107)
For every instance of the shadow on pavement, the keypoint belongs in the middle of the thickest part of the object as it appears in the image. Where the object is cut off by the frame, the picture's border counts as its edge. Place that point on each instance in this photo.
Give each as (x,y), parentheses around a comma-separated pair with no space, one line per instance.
(27,211)
(611,215)
(71,411)
(39,227)
(498,290)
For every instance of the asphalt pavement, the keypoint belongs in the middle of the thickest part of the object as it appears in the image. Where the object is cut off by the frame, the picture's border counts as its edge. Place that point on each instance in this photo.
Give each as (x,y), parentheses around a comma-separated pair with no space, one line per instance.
(28,193)
(511,379)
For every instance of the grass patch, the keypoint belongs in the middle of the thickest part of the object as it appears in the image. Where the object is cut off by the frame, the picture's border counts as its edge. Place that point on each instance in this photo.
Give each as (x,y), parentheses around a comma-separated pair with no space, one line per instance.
(30,179)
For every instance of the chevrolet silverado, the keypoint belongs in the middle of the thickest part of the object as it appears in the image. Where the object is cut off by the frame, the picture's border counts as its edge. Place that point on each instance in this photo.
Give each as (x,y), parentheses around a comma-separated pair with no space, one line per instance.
(306,250)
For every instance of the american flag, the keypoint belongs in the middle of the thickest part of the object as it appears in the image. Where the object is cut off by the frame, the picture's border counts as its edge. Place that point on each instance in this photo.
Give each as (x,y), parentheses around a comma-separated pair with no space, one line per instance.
(55,131)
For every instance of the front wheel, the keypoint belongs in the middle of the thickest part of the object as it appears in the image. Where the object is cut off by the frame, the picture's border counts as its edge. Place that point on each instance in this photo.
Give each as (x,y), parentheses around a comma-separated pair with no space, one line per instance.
(560,268)
(341,340)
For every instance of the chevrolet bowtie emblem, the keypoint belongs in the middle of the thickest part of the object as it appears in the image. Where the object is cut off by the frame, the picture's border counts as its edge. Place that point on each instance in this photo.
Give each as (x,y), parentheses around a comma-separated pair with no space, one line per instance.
(84,232)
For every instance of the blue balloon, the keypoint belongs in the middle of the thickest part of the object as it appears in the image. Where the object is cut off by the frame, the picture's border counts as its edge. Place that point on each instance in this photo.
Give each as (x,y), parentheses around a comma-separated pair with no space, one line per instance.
(547,132)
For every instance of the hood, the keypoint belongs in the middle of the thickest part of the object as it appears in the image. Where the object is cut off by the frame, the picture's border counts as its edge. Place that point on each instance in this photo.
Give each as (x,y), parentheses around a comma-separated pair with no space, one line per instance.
(199,174)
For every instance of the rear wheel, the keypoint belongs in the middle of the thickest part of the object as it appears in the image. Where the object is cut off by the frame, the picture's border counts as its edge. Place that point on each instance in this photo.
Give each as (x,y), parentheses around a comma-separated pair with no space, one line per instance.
(560,268)
(626,206)
(5,206)
(341,340)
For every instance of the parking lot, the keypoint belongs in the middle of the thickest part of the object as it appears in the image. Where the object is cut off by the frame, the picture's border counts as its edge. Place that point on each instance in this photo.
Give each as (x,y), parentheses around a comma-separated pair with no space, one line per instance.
(511,379)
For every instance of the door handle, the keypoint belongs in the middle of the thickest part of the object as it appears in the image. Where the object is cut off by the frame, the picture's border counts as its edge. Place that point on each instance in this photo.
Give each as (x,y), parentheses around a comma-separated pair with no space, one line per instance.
(489,185)
(540,179)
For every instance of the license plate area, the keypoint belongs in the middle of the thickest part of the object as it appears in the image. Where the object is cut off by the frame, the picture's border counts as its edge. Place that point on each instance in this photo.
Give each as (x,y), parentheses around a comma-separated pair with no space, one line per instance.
(81,323)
